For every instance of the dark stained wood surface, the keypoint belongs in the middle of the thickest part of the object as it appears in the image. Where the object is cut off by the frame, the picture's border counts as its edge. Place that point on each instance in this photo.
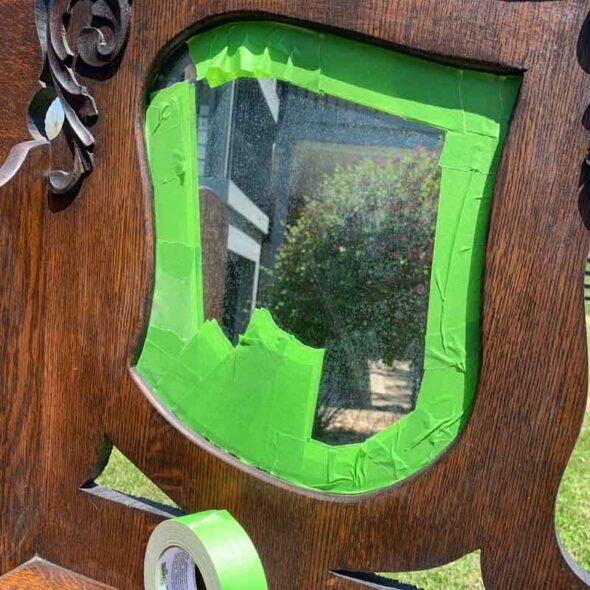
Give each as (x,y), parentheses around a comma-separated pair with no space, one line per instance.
(22,231)
(21,66)
(494,489)
(40,575)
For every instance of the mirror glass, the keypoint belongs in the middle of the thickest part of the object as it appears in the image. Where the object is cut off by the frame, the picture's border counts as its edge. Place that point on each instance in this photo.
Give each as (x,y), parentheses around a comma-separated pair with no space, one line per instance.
(323,212)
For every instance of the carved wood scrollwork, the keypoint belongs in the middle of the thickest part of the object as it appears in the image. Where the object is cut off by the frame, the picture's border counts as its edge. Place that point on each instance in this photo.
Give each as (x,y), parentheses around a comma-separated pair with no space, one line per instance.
(94,45)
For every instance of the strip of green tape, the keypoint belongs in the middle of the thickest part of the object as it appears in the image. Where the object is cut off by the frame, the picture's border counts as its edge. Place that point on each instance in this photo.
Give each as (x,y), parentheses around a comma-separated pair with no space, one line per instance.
(257,400)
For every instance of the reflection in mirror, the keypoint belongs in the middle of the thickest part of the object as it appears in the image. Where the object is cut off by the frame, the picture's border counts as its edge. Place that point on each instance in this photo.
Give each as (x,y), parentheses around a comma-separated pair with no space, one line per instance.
(327,219)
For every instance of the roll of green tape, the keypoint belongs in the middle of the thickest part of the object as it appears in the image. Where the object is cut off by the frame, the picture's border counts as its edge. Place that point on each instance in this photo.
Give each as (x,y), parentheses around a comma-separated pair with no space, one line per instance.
(205,551)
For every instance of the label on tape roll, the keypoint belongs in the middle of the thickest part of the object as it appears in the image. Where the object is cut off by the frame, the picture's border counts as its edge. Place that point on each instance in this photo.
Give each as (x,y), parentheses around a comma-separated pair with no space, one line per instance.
(206,551)
(178,571)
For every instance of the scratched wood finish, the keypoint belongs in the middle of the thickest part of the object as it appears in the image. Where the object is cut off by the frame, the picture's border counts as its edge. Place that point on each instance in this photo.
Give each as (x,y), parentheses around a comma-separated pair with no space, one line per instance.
(40,575)
(494,489)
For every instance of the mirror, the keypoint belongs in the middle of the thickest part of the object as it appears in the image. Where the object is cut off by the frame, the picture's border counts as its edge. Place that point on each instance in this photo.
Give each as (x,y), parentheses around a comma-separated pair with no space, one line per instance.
(330,210)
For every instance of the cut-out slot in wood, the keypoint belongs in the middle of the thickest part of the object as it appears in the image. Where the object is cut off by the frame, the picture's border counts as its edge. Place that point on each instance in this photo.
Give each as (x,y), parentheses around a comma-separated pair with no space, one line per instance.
(46,114)
(463,574)
(117,479)
(370,580)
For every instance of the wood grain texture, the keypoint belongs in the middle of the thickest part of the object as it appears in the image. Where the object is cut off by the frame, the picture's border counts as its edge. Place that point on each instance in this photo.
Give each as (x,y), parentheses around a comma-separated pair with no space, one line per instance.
(21,66)
(41,575)
(22,213)
(494,489)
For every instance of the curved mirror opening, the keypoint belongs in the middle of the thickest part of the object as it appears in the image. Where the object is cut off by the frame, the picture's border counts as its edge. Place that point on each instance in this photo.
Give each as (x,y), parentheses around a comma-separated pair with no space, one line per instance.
(321,209)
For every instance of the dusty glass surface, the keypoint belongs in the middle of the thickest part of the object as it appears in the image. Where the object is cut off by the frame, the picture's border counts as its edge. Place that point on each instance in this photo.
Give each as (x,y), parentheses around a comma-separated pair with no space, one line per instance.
(330,211)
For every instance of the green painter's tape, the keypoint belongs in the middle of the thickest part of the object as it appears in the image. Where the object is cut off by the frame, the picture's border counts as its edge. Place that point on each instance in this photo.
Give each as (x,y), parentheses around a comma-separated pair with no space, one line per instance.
(257,400)
(212,541)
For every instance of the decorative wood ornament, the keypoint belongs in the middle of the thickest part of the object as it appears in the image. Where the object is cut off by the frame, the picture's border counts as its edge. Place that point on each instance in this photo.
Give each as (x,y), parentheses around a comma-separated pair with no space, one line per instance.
(60,57)
(67,49)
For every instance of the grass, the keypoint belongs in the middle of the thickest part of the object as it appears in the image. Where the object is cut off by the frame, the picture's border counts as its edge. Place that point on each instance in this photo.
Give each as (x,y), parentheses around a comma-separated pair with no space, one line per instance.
(464,574)
(573,516)
(573,503)
(122,475)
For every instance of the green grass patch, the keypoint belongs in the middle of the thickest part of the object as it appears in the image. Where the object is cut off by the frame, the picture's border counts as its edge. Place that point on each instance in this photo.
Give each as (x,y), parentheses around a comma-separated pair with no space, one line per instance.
(573,503)
(122,475)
